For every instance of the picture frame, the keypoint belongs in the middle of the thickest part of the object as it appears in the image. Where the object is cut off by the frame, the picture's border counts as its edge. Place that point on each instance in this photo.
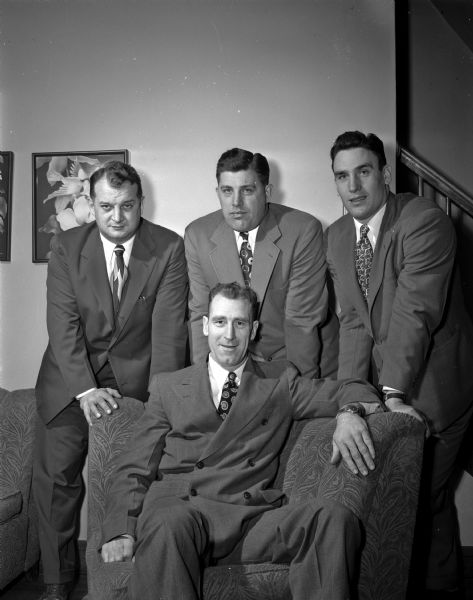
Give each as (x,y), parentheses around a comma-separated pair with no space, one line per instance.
(61,192)
(6,186)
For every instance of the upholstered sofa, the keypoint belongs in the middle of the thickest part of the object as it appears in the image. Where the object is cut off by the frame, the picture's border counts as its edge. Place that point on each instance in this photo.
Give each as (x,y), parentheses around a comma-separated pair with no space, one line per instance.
(19,548)
(385,501)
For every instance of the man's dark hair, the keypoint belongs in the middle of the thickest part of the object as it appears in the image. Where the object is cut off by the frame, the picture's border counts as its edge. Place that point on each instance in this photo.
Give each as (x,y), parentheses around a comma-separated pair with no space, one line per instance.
(235,291)
(356,139)
(237,159)
(116,173)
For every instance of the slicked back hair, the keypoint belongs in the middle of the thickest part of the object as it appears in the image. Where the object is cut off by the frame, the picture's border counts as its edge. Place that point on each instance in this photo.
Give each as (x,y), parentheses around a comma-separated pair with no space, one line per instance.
(238,159)
(116,173)
(357,139)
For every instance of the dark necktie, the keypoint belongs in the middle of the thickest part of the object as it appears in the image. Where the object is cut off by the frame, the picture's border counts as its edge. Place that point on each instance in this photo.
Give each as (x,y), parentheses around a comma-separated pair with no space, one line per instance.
(229,391)
(246,258)
(363,261)
(119,275)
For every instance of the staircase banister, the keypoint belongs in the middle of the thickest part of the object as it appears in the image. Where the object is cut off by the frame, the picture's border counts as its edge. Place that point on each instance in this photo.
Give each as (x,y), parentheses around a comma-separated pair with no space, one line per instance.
(437,181)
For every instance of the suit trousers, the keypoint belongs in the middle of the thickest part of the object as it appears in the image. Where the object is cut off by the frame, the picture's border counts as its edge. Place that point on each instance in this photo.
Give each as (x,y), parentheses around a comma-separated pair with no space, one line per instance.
(320,539)
(61,448)
(436,555)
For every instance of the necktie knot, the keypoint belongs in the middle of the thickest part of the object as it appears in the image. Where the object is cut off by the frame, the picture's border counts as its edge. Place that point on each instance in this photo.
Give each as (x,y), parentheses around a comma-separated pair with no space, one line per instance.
(229,391)
(246,258)
(364,231)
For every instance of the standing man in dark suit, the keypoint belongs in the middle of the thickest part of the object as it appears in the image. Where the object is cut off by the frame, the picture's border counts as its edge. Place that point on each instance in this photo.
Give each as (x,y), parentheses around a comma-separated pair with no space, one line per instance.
(276,249)
(116,302)
(404,327)
(198,483)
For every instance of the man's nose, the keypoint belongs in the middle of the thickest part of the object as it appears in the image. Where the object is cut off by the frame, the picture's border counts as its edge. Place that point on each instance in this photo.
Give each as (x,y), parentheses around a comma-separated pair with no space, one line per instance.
(229,331)
(354,183)
(237,198)
(117,214)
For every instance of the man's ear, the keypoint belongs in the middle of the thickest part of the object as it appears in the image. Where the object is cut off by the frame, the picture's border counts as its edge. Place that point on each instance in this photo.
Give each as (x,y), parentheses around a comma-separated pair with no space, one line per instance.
(254,329)
(268,190)
(92,206)
(387,174)
(205,325)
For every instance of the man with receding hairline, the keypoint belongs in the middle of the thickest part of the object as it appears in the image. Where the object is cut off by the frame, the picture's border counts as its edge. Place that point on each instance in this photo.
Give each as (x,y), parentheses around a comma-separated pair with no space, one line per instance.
(198,485)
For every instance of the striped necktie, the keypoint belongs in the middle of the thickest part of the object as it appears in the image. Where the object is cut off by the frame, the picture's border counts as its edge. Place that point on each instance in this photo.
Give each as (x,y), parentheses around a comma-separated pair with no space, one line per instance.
(118,276)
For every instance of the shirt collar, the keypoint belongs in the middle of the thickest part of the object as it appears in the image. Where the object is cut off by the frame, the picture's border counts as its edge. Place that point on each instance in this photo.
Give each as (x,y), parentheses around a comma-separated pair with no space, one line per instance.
(251,238)
(219,374)
(108,248)
(374,224)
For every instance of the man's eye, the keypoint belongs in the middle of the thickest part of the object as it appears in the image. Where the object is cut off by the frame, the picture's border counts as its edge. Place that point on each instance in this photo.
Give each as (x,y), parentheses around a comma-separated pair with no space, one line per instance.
(248,191)
(226,191)
(105,206)
(340,177)
(365,172)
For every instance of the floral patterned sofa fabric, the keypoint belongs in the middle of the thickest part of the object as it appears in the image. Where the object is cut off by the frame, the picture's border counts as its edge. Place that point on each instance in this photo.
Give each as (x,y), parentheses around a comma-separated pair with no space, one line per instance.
(19,548)
(385,501)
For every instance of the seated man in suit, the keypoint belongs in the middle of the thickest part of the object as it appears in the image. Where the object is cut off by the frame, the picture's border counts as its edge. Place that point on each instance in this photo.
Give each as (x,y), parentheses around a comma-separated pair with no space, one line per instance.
(116,308)
(276,249)
(404,327)
(199,475)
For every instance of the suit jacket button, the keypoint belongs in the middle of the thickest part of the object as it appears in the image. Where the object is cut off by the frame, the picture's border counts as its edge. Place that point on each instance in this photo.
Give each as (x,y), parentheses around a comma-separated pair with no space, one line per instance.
(193,492)
(251,462)
(269,359)
(200,465)
(247,495)
(264,422)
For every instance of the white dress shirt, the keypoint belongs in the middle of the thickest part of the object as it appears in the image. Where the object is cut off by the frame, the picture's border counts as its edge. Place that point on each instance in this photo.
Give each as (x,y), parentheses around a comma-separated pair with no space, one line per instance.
(218,376)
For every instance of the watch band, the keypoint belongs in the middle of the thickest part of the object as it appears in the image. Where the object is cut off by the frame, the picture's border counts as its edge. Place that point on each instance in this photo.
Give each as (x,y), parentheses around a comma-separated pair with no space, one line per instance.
(353,408)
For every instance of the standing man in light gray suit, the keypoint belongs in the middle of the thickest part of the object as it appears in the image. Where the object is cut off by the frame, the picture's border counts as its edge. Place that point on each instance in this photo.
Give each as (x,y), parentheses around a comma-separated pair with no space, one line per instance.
(276,249)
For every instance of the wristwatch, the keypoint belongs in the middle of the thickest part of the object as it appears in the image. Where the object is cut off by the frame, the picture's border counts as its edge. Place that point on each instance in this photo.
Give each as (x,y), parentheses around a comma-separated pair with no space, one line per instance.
(354,409)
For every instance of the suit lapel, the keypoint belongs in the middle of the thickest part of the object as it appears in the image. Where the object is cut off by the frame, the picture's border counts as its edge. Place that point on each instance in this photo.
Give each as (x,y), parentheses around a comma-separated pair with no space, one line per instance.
(253,393)
(196,393)
(94,257)
(142,260)
(224,257)
(382,246)
(265,255)
(345,259)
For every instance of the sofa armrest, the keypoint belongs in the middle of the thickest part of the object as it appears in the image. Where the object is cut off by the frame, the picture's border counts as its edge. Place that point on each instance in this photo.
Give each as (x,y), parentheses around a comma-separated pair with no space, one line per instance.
(18,419)
(108,437)
(385,500)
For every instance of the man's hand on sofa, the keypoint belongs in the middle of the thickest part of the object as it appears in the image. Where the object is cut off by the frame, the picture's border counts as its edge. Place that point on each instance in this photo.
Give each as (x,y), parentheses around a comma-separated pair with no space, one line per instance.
(352,442)
(99,402)
(119,549)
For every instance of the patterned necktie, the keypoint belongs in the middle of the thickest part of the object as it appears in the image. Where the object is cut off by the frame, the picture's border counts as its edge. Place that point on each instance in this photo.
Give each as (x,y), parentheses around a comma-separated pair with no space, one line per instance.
(229,391)
(246,258)
(118,276)
(363,261)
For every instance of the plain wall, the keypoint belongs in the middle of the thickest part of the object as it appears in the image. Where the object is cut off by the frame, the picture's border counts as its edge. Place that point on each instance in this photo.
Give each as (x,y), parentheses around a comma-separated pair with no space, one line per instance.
(177,82)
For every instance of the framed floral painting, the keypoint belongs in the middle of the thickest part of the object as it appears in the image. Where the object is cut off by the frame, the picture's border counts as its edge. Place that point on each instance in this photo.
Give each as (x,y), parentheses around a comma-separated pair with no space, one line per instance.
(61,193)
(6,178)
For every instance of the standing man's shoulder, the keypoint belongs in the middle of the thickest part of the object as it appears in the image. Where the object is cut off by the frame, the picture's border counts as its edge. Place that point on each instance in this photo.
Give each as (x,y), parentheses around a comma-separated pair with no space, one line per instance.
(158,233)
(205,223)
(291,218)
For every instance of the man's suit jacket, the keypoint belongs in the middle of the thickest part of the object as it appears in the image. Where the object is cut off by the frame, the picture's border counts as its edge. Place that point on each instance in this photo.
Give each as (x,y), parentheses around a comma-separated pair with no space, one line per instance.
(288,276)
(414,332)
(182,442)
(149,334)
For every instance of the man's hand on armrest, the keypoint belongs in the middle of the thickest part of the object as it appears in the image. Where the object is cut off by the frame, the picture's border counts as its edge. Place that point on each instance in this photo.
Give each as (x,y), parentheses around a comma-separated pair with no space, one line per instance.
(119,549)
(98,402)
(352,440)
(397,405)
